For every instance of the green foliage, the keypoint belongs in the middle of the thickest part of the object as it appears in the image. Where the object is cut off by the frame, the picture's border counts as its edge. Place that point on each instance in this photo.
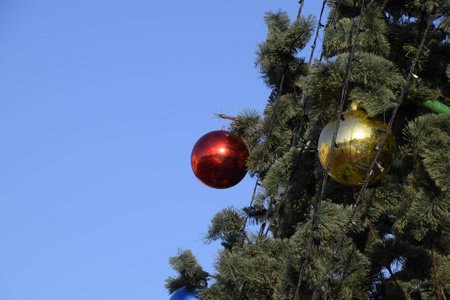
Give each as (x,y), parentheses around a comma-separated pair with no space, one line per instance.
(277,178)
(189,270)
(444,24)
(374,80)
(339,37)
(274,130)
(226,226)
(276,56)
(429,139)
(426,209)
(421,93)
(246,127)
(398,241)
(251,271)
(411,52)
(348,284)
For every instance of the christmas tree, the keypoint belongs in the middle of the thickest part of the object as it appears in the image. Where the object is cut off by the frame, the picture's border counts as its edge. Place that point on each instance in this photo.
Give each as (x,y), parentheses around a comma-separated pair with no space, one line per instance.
(352,237)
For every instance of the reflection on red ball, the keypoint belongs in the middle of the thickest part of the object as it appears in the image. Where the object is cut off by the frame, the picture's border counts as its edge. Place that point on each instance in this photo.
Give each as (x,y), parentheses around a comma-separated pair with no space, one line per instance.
(219,159)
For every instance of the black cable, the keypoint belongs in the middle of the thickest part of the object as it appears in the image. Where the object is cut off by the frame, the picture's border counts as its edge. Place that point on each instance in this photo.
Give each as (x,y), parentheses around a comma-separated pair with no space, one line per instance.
(316,213)
(380,147)
(319,25)
(261,233)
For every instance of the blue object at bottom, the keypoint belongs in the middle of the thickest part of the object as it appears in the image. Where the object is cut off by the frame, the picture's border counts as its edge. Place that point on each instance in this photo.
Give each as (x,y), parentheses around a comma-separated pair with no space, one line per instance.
(186,293)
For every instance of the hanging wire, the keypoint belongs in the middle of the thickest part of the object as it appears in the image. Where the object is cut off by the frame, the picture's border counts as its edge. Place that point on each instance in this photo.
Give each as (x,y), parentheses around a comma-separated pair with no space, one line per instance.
(319,25)
(332,23)
(284,196)
(380,147)
(266,145)
(261,233)
(303,148)
(272,124)
(300,8)
(316,213)
(266,216)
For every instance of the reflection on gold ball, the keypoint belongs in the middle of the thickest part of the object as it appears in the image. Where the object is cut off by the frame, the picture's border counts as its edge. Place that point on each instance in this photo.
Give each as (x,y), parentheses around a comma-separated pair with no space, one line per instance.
(356,147)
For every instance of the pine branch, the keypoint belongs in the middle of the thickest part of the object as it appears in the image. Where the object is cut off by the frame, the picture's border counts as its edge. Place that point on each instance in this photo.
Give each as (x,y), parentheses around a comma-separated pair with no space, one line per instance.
(316,216)
(369,173)
(234,119)
(223,116)
(436,275)
(266,143)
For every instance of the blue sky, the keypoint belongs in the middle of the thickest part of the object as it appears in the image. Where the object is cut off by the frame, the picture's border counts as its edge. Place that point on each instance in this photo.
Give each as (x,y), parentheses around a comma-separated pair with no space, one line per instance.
(101,103)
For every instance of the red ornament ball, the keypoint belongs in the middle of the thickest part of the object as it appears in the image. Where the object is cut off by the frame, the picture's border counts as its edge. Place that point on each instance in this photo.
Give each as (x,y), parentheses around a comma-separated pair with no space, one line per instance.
(219,159)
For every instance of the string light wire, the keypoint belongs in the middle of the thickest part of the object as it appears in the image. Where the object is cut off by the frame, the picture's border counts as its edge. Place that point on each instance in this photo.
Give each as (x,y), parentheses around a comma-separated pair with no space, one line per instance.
(303,148)
(316,209)
(374,162)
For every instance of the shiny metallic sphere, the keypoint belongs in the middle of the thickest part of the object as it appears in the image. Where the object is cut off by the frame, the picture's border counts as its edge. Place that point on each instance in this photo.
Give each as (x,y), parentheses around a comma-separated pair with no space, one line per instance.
(186,293)
(219,159)
(356,146)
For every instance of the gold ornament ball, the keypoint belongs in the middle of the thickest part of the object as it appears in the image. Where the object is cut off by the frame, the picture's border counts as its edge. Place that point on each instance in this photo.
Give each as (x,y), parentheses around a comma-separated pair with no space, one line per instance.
(356,146)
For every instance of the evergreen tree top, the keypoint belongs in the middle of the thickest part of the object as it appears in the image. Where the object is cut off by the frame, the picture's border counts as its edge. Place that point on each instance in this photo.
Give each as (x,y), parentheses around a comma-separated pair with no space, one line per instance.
(390,240)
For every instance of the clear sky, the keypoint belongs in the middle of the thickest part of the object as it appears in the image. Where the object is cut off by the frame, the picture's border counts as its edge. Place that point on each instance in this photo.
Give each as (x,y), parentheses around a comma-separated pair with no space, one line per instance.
(101,102)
